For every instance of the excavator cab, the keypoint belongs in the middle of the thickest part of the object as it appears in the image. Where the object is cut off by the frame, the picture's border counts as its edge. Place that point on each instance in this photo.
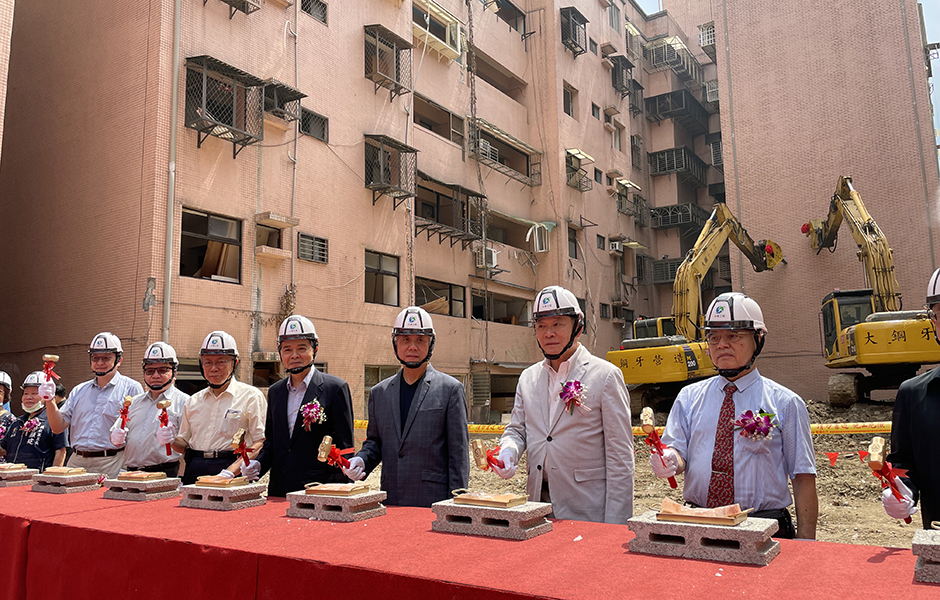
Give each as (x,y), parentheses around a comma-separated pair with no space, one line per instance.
(841,310)
(653,328)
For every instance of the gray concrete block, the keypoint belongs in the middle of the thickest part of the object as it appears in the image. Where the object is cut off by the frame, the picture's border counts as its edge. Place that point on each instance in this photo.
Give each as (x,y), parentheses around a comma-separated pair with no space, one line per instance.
(65,484)
(926,546)
(153,489)
(343,509)
(17,478)
(213,498)
(747,543)
(522,522)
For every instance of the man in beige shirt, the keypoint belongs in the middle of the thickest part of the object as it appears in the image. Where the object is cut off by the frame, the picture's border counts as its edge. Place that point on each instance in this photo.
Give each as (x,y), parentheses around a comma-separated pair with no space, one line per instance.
(213,415)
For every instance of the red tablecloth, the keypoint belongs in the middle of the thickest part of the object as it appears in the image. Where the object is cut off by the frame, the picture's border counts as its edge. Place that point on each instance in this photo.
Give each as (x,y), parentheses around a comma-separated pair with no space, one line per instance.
(105,548)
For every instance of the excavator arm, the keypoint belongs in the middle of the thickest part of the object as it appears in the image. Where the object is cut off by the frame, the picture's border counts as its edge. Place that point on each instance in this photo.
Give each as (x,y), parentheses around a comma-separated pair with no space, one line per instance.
(720,227)
(873,250)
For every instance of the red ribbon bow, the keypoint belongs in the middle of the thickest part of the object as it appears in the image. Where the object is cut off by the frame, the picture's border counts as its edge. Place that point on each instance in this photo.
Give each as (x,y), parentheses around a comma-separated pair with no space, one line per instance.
(492,460)
(242,451)
(336,458)
(656,445)
(124,411)
(165,422)
(47,369)
(888,476)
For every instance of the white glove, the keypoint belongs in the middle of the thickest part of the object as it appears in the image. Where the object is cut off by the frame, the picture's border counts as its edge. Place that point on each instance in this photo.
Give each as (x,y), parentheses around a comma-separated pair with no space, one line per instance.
(356,469)
(166,435)
(47,391)
(252,470)
(508,457)
(898,509)
(227,474)
(118,437)
(671,458)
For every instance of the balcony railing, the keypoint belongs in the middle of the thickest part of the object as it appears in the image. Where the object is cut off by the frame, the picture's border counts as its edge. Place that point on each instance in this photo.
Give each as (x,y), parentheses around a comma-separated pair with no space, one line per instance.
(664,271)
(390,168)
(683,162)
(687,215)
(634,206)
(573,31)
(682,107)
(671,53)
(580,180)
(488,154)
(636,99)
(706,39)
(621,75)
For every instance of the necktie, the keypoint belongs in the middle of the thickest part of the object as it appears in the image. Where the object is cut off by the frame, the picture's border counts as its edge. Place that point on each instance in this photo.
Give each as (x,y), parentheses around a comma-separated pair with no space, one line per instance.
(721,486)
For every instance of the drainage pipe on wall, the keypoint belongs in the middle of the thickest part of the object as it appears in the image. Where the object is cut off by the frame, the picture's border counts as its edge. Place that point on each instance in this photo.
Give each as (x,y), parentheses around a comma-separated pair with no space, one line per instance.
(171,174)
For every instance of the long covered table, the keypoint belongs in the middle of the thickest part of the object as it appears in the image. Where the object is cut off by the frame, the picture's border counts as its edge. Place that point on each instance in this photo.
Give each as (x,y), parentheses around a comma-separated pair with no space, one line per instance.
(81,546)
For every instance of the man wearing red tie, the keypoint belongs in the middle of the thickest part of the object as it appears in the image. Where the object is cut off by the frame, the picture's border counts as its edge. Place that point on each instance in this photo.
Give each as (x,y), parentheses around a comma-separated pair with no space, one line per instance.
(740,437)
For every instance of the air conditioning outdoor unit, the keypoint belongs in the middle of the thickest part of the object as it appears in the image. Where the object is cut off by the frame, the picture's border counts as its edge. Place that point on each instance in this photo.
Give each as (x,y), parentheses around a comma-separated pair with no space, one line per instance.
(616,247)
(486,258)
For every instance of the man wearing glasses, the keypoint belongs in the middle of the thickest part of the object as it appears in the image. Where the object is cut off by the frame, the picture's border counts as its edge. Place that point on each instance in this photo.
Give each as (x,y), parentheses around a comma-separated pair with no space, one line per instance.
(914,442)
(715,438)
(213,415)
(142,451)
(92,407)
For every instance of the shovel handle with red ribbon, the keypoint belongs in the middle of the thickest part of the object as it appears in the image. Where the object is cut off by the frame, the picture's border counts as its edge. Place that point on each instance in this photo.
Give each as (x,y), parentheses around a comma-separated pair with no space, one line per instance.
(331,455)
(48,363)
(165,421)
(884,471)
(125,409)
(652,439)
(484,457)
(240,447)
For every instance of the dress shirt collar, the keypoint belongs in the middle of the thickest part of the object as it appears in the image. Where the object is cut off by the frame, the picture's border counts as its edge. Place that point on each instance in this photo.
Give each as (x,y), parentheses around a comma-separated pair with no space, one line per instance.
(306,382)
(564,367)
(233,384)
(94,381)
(743,383)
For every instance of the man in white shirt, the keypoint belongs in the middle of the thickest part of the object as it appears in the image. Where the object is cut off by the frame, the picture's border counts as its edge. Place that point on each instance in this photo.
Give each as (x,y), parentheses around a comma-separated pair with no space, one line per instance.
(725,463)
(572,415)
(142,451)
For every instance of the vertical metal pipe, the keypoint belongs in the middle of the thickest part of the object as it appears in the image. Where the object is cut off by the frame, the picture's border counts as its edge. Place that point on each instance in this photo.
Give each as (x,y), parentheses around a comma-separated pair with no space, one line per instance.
(171,174)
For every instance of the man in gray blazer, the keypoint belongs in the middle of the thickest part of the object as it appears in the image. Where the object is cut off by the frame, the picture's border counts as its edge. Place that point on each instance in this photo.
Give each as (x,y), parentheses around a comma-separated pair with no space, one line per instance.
(417,423)
(572,416)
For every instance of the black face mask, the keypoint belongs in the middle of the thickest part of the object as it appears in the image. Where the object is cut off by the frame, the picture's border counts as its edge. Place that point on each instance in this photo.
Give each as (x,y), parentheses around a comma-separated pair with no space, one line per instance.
(578,324)
(729,373)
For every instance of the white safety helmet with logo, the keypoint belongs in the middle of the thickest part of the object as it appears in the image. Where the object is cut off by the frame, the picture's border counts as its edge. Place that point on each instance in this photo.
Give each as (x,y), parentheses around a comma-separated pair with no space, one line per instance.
(160,353)
(6,382)
(219,342)
(734,310)
(298,327)
(34,379)
(933,298)
(413,320)
(106,342)
(556,301)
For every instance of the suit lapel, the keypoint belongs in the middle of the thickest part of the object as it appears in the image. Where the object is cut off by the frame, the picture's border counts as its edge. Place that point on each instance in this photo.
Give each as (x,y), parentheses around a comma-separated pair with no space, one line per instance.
(420,394)
(574,374)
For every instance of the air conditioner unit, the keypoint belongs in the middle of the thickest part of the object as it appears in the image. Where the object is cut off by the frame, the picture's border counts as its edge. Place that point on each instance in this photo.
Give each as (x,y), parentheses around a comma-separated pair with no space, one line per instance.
(486,258)
(616,247)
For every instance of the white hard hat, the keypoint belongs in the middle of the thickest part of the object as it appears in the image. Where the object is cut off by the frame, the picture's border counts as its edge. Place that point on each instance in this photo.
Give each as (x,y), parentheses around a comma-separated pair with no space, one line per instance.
(933,289)
(296,327)
(413,320)
(5,381)
(105,342)
(219,342)
(556,301)
(34,379)
(160,352)
(734,310)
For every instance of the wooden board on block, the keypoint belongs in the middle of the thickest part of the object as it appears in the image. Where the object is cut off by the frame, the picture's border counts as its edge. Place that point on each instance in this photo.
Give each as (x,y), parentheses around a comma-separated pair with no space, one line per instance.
(729,521)
(486,499)
(336,489)
(8,467)
(64,471)
(140,476)
(220,482)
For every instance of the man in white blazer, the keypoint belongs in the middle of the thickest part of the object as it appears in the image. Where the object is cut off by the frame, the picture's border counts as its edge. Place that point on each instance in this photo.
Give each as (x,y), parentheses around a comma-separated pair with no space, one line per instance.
(572,414)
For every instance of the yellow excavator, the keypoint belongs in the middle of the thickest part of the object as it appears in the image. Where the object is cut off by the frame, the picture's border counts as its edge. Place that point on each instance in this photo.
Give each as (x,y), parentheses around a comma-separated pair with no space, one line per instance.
(866,328)
(668,353)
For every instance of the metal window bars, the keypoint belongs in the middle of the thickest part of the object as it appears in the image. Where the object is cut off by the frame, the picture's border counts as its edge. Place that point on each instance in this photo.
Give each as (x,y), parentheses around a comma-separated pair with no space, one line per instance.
(633,205)
(579,179)
(636,99)
(387,61)
(671,53)
(465,204)
(687,215)
(487,154)
(681,106)
(281,100)
(245,6)
(315,8)
(315,125)
(313,248)
(690,168)
(621,75)
(390,169)
(574,30)
(224,102)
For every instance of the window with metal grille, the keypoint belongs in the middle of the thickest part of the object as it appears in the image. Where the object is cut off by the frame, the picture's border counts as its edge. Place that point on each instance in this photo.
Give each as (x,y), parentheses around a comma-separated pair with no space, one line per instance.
(387,60)
(440,298)
(636,152)
(621,75)
(312,248)
(574,30)
(717,160)
(281,100)
(706,36)
(644,269)
(210,247)
(605,311)
(314,125)
(390,168)
(316,9)
(381,278)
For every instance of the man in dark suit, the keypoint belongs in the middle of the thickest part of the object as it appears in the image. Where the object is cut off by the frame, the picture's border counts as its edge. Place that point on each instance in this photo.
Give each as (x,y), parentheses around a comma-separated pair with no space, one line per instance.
(417,423)
(302,408)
